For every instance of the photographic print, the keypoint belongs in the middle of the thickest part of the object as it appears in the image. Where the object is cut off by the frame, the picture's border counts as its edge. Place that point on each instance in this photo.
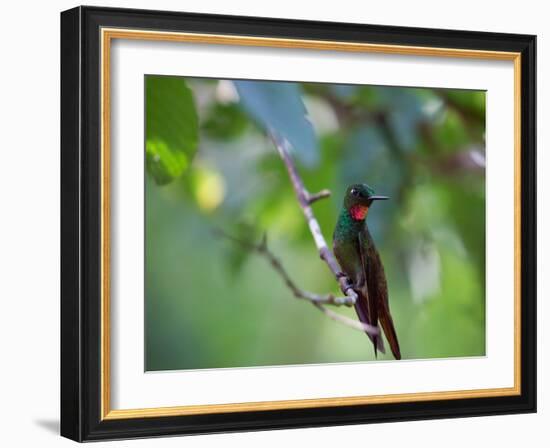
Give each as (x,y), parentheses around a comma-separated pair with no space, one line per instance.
(254,211)
(291,223)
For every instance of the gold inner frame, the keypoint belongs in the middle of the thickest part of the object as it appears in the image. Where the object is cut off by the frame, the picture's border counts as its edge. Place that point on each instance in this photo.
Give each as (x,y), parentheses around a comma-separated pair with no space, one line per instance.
(107,35)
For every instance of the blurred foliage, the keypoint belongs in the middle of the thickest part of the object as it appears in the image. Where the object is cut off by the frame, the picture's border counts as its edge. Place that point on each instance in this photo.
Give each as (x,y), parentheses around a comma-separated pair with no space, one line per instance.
(279,109)
(224,121)
(171,127)
(210,303)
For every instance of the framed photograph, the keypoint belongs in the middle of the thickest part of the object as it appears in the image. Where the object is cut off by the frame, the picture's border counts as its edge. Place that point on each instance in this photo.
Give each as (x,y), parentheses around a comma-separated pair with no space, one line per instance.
(275,224)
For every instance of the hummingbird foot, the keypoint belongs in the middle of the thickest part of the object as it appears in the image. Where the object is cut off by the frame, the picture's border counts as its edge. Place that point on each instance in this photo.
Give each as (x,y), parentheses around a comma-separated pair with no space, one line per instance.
(347,288)
(340,275)
(343,278)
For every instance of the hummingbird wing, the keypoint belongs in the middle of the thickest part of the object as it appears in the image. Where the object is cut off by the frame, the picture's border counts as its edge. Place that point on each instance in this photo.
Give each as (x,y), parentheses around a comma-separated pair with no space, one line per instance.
(362,310)
(377,288)
(348,253)
(366,307)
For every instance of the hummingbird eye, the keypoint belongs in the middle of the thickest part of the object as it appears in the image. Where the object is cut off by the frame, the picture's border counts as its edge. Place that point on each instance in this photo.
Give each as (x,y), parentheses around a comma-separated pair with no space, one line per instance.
(354,192)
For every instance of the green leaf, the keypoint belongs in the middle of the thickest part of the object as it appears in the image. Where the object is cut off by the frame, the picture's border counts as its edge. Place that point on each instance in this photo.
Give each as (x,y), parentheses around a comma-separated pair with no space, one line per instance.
(278,108)
(469,102)
(171,127)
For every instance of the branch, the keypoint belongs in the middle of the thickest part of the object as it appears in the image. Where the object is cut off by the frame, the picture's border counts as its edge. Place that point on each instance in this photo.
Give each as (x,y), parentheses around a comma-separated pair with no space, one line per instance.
(305,199)
(311,198)
(316,299)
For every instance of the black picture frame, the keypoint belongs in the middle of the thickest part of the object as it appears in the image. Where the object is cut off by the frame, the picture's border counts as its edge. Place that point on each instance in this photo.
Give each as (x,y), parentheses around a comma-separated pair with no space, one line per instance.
(81,224)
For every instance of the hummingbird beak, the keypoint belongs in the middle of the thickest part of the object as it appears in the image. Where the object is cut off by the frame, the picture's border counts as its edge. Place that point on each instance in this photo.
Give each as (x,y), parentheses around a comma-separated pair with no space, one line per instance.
(378,198)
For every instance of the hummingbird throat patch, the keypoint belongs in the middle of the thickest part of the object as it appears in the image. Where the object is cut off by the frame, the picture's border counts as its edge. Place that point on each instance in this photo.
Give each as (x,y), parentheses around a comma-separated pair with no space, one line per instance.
(358,212)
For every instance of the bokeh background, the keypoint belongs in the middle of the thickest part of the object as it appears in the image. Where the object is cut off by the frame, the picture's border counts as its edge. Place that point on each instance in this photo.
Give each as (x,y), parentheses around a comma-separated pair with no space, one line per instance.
(210,303)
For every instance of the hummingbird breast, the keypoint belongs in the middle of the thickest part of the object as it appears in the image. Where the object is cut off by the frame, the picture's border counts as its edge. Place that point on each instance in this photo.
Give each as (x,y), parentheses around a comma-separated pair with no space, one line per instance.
(349,258)
(346,247)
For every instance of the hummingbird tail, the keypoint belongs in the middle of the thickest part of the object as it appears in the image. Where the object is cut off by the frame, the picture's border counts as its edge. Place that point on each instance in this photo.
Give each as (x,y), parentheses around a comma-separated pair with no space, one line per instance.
(362,310)
(389,330)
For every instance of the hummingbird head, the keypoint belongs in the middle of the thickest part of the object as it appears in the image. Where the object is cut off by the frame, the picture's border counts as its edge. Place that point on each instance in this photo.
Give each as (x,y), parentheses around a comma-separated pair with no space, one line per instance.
(358,199)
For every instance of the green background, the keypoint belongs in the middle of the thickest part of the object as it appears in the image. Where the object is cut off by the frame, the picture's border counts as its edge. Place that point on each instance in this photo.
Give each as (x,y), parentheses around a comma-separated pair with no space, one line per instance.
(209,303)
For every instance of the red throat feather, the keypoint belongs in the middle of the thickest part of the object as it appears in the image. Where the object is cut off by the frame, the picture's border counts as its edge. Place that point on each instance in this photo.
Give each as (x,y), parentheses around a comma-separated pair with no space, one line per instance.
(358,212)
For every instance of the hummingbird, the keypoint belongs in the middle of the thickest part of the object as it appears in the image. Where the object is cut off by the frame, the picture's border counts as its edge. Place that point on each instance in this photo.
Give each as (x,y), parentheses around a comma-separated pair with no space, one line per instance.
(360,262)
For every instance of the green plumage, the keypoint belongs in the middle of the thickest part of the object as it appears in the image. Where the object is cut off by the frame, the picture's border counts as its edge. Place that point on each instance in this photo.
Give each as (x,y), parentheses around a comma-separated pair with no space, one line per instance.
(359,260)
(346,227)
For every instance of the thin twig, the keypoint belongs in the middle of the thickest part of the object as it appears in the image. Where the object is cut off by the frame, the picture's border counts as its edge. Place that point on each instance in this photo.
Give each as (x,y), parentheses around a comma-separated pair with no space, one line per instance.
(356,324)
(311,198)
(316,299)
